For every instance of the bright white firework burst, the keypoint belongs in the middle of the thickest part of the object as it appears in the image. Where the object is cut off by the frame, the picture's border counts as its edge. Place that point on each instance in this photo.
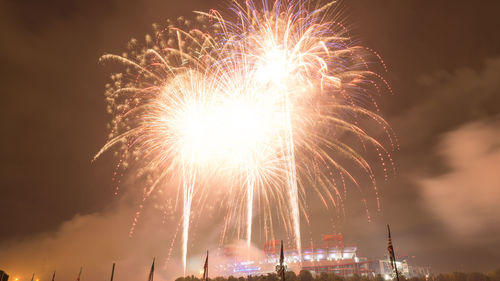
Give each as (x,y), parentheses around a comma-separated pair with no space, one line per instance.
(260,101)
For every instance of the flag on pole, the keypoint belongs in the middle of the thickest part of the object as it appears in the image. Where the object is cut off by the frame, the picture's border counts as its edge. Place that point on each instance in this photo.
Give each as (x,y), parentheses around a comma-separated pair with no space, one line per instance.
(205,269)
(79,274)
(281,268)
(151,273)
(392,256)
(53,276)
(390,248)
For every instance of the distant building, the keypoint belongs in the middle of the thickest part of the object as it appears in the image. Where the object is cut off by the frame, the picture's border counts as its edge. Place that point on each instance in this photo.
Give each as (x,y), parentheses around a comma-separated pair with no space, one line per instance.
(333,257)
(3,276)
(384,268)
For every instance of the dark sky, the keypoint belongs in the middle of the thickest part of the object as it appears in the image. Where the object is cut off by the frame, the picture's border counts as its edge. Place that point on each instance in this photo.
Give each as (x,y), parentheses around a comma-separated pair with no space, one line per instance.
(444,69)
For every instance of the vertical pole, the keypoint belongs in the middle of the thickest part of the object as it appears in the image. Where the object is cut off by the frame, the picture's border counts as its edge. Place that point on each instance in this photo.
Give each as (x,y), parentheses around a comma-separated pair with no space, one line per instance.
(281,267)
(393,254)
(205,269)
(152,271)
(112,271)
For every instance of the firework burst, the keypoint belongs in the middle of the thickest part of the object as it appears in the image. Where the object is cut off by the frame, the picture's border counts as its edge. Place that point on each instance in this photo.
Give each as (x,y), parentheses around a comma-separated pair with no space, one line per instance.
(262,99)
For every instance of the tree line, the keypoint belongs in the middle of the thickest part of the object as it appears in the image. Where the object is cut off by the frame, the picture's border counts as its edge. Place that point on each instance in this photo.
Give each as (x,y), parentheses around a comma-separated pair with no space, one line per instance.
(305,275)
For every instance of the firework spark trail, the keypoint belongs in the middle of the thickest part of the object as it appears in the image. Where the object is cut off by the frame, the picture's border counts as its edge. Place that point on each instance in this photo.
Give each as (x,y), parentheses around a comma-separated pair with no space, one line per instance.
(188,181)
(292,50)
(256,99)
(250,191)
(291,172)
(274,70)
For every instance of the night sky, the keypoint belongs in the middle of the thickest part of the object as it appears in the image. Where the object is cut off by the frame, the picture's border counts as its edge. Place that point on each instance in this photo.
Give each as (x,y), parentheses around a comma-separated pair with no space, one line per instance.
(58,210)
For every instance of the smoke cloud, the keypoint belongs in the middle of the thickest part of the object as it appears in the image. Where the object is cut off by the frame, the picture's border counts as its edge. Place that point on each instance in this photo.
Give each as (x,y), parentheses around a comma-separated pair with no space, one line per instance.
(97,240)
(466,197)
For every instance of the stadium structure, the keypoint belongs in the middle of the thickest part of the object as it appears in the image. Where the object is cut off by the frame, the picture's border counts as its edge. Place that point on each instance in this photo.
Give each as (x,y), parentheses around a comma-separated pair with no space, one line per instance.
(334,256)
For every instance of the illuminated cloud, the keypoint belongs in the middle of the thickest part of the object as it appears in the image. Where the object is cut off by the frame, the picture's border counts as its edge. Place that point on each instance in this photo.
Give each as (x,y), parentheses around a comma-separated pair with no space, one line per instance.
(466,197)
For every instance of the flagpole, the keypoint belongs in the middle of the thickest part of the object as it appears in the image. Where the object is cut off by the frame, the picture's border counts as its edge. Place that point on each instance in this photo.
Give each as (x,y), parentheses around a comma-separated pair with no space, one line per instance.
(151,273)
(79,274)
(281,268)
(113,272)
(391,252)
(205,269)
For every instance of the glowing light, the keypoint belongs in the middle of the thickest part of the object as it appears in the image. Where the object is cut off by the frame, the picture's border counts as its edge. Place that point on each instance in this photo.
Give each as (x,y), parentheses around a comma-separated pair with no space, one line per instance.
(230,132)
(272,67)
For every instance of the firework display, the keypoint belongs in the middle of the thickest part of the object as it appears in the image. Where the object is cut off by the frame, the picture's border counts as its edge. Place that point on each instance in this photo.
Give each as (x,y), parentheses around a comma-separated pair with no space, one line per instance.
(256,107)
